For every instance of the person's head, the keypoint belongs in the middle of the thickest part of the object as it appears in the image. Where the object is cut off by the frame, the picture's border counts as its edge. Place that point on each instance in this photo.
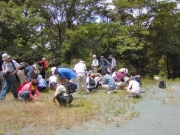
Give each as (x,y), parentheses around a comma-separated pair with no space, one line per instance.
(103,73)
(34,82)
(102,58)
(94,56)
(92,75)
(53,85)
(39,77)
(53,70)
(126,79)
(110,57)
(6,57)
(43,59)
(81,61)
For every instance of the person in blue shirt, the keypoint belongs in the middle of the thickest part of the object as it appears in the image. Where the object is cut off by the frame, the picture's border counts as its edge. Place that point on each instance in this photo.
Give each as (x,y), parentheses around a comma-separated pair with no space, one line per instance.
(105,65)
(108,83)
(42,83)
(65,74)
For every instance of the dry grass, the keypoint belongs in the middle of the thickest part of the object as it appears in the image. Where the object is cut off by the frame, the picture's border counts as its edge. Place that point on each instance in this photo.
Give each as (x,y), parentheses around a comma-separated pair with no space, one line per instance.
(16,115)
(43,117)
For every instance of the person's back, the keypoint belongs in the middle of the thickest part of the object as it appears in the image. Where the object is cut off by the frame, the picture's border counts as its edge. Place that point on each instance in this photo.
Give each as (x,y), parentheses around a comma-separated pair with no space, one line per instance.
(108,80)
(66,73)
(134,86)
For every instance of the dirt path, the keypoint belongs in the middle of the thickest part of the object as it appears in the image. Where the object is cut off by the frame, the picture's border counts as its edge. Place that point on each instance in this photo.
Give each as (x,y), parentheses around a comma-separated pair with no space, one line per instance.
(158,115)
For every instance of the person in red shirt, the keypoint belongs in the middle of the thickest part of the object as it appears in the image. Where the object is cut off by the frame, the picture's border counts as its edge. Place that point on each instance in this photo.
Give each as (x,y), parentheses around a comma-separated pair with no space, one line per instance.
(28,90)
(43,67)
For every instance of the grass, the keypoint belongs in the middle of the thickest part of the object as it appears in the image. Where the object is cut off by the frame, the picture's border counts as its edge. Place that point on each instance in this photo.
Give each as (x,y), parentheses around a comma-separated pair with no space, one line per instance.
(44,117)
(17,115)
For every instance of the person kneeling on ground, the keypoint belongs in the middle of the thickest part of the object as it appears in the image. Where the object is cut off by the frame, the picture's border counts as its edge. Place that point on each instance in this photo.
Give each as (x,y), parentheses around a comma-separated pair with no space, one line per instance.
(108,83)
(28,89)
(133,87)
(42,83)
(60,94)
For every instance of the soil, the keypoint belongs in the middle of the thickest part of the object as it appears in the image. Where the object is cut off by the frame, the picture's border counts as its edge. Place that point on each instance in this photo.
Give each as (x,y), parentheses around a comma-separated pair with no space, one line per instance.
(158,115)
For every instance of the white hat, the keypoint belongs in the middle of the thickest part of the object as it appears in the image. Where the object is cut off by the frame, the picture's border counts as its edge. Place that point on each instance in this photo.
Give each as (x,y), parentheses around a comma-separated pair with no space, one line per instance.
(94,55)
(53,70)
(81,61)
(5,56)
(126,78)
(39,76)
(43,58)
(124,70)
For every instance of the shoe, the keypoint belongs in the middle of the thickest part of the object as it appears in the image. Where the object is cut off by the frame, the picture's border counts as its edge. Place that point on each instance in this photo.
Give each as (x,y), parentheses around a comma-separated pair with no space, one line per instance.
(137,96)
(87,91)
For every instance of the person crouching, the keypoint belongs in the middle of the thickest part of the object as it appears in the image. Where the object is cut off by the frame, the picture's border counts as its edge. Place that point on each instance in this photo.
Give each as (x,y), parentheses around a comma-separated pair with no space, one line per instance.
(60,94)
(133,87)
(28,90)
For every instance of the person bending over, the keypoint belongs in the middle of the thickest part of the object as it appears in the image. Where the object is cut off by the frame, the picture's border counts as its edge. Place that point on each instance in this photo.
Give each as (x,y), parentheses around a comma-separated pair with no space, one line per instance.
(60,94)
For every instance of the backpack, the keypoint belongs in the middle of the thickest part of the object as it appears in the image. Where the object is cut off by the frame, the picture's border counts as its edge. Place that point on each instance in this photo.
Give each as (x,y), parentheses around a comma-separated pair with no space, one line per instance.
(91,81)
(162,84)
(20,87)
(23,65)
(70,87)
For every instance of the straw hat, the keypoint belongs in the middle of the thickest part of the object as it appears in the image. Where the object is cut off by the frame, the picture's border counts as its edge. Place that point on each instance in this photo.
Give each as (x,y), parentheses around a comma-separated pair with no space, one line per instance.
(5,56)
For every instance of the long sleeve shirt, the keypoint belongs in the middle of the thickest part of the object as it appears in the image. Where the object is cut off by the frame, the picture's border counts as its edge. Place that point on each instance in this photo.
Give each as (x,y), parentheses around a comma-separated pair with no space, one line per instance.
(28,87)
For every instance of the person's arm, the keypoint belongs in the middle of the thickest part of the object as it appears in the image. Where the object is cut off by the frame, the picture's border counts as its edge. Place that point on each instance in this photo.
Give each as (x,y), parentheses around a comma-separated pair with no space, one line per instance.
(16,65)
(64,80)
(54,99)
(3,69)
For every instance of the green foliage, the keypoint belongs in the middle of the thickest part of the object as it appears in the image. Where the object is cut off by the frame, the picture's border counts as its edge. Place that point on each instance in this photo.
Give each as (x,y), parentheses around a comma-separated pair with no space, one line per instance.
(140,34)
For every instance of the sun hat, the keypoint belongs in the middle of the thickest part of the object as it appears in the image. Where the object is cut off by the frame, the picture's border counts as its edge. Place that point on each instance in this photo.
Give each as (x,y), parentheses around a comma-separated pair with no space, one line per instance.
(92,74)
(5,56)
(53,70)
(94,56)
(43,58)
(110,56)
(126,78)
(52,84)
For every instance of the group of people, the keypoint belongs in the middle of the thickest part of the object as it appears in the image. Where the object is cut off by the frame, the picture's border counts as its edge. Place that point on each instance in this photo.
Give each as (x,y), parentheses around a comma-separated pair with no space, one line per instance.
(34,82)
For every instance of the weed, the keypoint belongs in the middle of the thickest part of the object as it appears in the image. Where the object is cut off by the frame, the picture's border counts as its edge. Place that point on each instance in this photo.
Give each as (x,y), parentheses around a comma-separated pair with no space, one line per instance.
(117,124)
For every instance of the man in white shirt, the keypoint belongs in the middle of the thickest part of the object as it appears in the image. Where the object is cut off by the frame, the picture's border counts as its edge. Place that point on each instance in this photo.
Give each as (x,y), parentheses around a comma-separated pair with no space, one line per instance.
(133,87)
(95,64)
(80,69)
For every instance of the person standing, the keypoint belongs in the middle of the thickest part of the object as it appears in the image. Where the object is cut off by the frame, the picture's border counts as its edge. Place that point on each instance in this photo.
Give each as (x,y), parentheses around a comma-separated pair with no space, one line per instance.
(1,72)
(95,64)
(80,69)
(104,64)
(43,67)
(9,68)
(113,64)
